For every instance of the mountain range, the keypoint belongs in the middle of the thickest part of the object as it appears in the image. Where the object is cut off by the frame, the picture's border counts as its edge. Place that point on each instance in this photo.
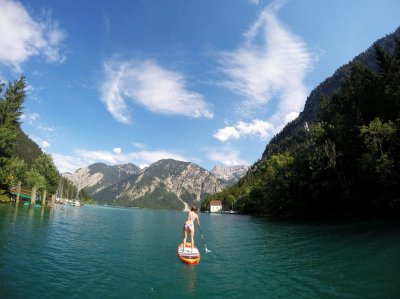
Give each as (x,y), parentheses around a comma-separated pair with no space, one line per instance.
(166,184)
(230,174)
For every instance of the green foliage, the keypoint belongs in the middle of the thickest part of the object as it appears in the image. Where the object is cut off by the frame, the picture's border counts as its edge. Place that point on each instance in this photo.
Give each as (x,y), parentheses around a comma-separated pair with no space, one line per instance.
(35,179)
(25,149)
(16,170)
(10,111)
(20,158)
(348,162)
(4,196)
(160,198)
(44,165)
(85,198)
(379,159)
(187,196)
(272,191)
(67,189)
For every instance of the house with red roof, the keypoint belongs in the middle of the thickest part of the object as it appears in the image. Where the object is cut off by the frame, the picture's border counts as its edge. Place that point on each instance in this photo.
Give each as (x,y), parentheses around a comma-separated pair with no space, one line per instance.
(215,206)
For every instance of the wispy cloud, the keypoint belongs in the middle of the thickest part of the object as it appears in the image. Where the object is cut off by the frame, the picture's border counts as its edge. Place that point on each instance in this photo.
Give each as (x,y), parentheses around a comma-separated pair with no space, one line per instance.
(151,86)
(226,156)
(43,143)
(271,64)
(35,120)
(257,127)
(23,37)
(84,158)
(67,163)
(30,117)
(139,145)
(255,2)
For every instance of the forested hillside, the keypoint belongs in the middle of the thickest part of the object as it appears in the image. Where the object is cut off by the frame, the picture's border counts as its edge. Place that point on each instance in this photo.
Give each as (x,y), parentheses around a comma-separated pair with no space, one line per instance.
(25,148)
(292,132)
(346,162)
(21,159)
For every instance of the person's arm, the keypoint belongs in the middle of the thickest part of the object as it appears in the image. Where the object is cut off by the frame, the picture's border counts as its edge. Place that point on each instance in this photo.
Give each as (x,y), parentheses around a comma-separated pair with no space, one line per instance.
(198,221)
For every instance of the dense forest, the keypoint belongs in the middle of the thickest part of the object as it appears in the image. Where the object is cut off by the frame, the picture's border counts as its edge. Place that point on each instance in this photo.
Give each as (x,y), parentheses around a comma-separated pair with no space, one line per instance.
(21,159)
(345,163)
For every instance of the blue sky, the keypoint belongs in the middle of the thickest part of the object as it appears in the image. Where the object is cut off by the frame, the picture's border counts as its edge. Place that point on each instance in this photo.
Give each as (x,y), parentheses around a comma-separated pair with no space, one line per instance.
(207,81)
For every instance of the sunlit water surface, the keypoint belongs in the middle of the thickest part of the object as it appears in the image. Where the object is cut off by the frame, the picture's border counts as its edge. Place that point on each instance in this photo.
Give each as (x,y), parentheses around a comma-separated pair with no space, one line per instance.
(99,252)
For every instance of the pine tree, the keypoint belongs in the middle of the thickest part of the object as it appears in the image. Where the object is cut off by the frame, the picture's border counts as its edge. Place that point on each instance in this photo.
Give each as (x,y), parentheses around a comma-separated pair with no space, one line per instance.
(10,112)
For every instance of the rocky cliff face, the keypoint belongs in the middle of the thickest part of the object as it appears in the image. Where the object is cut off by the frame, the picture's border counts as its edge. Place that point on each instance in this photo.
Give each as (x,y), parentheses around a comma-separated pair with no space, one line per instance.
(98,176)
(230,174)
(166,184)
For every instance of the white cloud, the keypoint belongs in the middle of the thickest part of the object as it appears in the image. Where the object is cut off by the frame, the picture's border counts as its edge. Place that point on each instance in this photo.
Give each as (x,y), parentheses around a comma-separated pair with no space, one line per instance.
(271,64)
(151,86)
(23,37)
(34,119)
(291,116)
(84,158)
(139,145)
(45,144)
(65,163)
(226,156)
(30,117)
(117,150)
(227,133)
(257,127)
(149,157)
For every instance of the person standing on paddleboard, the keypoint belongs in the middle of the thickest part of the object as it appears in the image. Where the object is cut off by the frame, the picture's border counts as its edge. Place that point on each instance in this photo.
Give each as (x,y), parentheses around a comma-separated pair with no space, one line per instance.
(189,226)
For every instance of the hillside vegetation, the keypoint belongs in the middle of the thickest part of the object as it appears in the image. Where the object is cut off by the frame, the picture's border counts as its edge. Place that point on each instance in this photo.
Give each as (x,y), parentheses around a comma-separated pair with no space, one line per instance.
(166,184)
(21,159)
(346,161)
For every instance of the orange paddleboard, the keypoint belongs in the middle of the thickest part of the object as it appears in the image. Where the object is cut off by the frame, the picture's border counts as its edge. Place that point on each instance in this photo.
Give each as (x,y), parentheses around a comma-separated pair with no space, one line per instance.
(188,256)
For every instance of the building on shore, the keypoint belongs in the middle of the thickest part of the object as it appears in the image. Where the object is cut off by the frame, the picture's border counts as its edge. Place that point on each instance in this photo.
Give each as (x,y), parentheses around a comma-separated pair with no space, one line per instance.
(215,206)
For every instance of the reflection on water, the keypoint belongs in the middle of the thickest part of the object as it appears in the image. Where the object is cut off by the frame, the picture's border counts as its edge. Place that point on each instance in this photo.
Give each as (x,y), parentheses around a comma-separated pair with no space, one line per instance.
(31,212)
(41,214)
(95,252)
(189,278)
(15,215)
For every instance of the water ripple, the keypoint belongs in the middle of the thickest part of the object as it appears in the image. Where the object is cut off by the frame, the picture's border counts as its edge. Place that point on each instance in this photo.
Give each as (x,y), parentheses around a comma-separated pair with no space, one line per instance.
(95,252)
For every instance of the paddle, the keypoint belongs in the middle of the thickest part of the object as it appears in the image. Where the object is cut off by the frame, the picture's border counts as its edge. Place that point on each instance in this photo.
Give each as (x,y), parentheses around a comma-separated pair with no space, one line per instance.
(205,245)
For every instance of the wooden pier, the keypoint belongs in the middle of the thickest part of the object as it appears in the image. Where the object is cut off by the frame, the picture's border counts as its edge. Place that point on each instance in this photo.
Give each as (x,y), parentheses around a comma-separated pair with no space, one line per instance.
(29,195)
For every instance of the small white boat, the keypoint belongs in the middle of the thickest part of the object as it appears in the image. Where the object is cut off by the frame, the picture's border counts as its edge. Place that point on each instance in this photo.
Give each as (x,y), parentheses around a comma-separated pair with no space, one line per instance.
(77,203)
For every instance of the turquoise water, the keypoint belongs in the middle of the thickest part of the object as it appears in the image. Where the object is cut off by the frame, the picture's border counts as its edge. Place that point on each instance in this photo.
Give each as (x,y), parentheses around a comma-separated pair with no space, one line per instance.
(98,252)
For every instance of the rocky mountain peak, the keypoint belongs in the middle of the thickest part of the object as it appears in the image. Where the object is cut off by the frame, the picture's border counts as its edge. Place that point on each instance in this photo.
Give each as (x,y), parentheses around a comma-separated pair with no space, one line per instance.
(230,174)
(165,184)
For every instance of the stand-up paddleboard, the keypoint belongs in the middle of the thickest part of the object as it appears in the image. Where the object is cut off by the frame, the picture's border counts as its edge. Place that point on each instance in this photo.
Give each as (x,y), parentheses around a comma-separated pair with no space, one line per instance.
(188,256)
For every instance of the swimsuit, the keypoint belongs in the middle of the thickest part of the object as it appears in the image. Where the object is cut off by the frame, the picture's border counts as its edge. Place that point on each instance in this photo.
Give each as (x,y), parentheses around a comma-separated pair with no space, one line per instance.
(188,226)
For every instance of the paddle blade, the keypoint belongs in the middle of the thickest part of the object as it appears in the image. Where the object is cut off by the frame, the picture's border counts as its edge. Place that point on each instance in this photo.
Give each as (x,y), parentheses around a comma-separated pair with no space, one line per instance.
(207,251)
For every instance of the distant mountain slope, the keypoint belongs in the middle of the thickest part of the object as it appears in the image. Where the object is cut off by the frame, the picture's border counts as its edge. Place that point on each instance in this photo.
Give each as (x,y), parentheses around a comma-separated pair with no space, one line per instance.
(230,174)
(166,184)
(98,176)
(294,130)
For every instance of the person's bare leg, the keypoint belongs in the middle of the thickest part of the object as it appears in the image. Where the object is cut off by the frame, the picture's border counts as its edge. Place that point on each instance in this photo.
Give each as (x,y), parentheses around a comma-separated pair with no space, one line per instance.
(192,238)
(184,239)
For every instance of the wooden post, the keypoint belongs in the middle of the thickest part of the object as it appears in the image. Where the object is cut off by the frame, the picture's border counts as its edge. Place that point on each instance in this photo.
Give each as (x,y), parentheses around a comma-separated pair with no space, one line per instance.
(18,192)
(33,196)
(44,198)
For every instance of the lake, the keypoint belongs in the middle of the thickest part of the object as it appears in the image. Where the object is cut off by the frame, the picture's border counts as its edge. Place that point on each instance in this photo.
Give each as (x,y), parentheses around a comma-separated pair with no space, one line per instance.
(103,252)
